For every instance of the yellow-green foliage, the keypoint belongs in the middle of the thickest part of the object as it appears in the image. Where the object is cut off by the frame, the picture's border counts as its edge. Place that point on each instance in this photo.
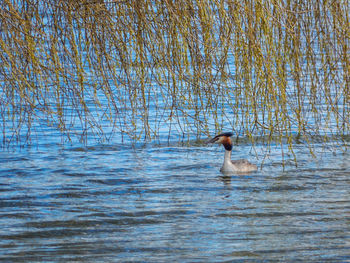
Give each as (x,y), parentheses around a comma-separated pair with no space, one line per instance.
(263,68)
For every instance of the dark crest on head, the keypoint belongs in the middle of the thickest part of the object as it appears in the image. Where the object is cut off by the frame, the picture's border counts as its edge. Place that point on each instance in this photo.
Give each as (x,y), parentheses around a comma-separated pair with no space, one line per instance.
(227,134)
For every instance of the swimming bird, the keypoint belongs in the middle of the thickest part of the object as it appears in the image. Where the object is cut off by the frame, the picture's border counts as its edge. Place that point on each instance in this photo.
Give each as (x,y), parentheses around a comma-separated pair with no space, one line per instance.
(238,166)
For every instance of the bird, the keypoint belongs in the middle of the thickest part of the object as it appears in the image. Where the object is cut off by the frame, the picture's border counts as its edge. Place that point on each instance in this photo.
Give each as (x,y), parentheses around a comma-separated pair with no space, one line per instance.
(229,166)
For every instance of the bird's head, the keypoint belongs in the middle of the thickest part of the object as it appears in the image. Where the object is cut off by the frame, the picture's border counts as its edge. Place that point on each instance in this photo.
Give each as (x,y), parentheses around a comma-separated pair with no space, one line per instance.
(224,139)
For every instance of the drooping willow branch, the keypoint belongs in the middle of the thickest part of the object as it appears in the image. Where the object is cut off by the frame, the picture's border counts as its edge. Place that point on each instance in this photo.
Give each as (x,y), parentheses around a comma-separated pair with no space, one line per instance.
(275,69)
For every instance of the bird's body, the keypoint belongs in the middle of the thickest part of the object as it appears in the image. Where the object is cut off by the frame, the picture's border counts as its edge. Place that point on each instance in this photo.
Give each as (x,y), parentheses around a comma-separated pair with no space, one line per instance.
(238,166)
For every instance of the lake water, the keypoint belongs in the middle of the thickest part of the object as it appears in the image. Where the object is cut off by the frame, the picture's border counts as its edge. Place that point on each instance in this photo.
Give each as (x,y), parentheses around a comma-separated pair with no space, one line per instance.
(94,76)
(170,203)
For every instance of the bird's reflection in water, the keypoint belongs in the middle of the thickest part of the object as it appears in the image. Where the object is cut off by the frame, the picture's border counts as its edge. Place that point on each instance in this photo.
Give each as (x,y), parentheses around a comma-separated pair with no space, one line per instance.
(227,185)
(226,180)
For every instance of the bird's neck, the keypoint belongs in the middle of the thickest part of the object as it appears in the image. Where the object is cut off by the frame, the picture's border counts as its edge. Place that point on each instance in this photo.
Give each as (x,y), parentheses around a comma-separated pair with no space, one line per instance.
(227,158)
(227,166)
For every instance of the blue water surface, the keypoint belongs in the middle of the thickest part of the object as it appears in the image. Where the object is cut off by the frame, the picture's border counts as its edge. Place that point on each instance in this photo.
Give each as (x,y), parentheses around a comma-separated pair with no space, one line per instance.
(170,203)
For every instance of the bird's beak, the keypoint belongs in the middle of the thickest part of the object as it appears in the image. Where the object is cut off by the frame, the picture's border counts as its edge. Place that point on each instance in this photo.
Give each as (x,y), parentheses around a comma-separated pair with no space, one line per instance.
(213,140)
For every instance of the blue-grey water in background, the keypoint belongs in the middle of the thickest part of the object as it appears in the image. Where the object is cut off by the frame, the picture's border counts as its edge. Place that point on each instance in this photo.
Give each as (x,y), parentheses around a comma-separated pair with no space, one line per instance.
(170,203)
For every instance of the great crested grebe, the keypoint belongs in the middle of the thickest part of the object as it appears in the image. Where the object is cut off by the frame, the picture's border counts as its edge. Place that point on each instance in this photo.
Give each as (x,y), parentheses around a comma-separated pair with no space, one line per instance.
(228,166)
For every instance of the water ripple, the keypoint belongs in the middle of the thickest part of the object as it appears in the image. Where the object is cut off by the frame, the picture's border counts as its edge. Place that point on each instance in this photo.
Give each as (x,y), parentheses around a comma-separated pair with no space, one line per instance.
(164,204)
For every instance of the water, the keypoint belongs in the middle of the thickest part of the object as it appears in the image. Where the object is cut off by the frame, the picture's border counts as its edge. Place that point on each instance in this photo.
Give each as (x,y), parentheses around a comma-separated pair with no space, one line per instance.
(170,203)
